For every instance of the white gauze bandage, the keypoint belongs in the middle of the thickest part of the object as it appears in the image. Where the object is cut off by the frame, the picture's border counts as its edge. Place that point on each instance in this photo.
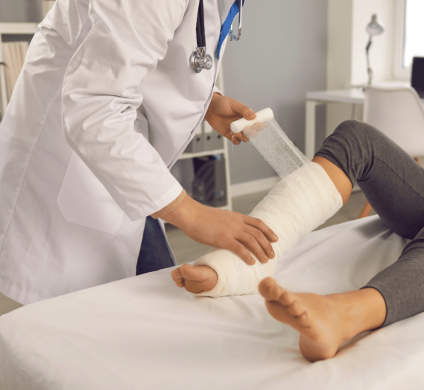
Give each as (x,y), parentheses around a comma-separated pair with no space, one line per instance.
(269,139)
(303,200)
(293,208)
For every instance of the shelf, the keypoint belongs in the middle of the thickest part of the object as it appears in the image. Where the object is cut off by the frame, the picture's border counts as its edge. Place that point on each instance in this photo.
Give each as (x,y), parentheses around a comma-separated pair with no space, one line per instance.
(18,28)
(186,156)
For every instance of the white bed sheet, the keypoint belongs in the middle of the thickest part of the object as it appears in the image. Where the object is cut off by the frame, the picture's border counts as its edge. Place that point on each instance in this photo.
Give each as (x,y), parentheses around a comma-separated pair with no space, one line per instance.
(145,333)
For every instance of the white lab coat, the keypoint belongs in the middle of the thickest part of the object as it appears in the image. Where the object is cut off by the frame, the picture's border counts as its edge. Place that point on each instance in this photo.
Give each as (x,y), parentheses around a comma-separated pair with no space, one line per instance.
(78,175)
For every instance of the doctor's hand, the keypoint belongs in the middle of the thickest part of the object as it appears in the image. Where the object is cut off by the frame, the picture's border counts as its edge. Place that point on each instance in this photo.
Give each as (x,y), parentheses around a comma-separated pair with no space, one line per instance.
(224,229)
(222,111)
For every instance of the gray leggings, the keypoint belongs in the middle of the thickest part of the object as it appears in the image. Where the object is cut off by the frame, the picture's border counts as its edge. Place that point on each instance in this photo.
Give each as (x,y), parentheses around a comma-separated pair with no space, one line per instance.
(394,185)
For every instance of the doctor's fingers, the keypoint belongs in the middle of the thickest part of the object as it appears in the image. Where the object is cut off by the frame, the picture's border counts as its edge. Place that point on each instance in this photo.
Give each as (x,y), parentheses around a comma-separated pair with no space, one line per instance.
(253,246)
(243,110)
(237,138)
(258,224)
(241,137)
(240,250)
(262,241)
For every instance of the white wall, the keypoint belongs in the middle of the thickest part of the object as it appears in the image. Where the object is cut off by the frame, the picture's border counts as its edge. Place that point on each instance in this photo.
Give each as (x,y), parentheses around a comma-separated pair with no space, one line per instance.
(347,38)
(381,52)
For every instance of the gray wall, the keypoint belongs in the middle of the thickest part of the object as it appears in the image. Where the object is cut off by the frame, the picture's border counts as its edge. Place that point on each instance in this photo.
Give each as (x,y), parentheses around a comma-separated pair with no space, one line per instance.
(20,11)
(281,55)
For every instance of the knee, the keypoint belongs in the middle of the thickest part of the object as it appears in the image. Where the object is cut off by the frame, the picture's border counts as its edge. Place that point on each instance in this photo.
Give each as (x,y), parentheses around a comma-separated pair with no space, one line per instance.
(355,132)
(354,128)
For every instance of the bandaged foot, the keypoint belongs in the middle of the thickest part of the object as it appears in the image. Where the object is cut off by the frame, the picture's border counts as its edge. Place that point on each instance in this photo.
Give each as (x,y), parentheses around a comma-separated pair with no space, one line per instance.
(293,208)
(195,279)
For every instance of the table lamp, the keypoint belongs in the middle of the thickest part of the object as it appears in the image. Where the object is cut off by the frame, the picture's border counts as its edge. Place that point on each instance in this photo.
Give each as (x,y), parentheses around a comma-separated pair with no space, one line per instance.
(373,28)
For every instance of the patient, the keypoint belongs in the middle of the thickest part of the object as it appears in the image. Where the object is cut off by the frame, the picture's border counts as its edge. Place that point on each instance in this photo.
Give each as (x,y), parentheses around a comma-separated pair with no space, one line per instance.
(393,184)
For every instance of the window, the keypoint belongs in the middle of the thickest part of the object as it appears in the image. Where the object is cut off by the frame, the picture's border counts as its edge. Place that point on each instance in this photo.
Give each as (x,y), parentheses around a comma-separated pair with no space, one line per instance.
(414,31)
(409,39)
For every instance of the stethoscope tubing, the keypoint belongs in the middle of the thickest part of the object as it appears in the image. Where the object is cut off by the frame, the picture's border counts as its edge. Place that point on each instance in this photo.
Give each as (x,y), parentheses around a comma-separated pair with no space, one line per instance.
(199,59)
(200,26)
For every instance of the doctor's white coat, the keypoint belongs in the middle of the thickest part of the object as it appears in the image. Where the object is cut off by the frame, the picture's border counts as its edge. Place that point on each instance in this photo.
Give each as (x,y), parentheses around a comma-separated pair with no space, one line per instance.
(103,81)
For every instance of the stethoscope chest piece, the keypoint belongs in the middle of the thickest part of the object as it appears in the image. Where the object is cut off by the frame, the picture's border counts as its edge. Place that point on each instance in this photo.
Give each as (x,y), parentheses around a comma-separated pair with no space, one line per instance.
(199,60)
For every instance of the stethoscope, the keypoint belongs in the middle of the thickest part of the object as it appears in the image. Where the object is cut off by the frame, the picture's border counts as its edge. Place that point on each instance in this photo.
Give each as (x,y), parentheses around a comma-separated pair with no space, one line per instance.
(199,59)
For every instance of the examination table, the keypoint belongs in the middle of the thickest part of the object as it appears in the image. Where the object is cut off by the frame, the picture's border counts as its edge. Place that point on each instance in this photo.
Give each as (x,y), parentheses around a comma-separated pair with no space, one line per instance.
(145,333)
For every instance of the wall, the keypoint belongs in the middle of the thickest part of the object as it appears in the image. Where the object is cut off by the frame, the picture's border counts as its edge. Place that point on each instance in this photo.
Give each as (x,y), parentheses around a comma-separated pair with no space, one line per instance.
(20,11)
(381,52)
(280,57)
(347,38)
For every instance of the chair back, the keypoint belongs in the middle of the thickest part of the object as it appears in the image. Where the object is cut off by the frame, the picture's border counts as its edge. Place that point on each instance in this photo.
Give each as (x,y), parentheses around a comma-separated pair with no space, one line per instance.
(399,113)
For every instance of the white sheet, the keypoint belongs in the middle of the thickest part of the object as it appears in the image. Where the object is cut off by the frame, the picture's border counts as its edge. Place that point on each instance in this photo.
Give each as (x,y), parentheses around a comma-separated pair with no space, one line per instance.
(145,333)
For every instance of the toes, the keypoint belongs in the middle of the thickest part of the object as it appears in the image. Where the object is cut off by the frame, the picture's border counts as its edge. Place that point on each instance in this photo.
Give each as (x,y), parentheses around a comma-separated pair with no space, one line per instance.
(192,273)
(295,309)
(185,270)
(197,287)
(195,279)
(279,294)
(303,320)
(194,287)
(286,298)
(176,274)
(177,277)
(199,273)
(271,291)
(265,286)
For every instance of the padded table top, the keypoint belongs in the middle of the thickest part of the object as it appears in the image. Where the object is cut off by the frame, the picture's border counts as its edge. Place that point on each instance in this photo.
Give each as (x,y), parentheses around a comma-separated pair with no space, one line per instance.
(145,333)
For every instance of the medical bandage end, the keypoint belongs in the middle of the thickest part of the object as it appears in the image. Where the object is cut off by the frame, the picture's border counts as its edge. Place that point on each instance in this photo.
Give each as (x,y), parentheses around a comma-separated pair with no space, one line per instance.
(272,143)
(261,117)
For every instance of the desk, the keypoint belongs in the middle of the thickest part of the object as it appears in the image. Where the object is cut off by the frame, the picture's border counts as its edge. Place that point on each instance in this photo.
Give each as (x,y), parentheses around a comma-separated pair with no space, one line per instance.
(314,99)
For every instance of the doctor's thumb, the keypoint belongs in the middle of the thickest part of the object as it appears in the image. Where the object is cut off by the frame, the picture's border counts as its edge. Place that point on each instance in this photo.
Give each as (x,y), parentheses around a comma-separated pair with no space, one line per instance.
(248,113)
(243,110)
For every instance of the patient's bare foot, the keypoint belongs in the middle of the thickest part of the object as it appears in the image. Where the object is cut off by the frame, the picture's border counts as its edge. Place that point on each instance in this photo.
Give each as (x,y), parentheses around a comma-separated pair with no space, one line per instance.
(195,279)
(324,321)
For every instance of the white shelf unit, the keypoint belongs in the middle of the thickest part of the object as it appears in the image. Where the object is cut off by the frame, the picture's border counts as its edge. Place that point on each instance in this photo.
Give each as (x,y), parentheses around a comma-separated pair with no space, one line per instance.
(224,152)
(11,29)
(30,28)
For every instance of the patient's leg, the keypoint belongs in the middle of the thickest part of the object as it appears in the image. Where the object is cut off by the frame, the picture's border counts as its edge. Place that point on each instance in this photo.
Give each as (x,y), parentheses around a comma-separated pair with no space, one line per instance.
(324,322)
(394,184)
(391,180)
(293,208)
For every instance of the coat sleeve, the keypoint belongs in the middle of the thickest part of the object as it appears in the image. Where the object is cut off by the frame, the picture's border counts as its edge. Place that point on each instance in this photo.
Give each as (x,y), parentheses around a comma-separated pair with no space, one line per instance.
(216,89)
(101,94)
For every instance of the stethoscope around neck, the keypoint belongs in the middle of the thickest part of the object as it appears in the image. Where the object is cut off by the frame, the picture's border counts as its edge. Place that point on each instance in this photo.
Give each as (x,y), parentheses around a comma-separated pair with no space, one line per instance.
(199,59)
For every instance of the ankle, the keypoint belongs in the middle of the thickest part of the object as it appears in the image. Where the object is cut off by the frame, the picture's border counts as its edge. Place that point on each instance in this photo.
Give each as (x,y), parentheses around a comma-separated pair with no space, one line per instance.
(348,315)
(360,311)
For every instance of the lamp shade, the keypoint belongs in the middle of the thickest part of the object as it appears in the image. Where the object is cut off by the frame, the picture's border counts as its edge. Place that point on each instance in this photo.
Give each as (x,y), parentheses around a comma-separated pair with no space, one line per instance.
(374,28)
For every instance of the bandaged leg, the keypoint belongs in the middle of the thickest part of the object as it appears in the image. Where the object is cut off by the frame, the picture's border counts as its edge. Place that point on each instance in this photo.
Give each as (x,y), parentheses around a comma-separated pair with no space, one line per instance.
(294,207)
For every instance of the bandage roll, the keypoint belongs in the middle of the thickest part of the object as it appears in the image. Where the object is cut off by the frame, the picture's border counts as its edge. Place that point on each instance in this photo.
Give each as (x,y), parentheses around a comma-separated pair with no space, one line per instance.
(272,143)
(261,117)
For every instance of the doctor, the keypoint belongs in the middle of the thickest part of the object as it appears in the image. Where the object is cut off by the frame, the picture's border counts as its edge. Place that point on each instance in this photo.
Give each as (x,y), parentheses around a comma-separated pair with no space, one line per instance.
(106,103)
